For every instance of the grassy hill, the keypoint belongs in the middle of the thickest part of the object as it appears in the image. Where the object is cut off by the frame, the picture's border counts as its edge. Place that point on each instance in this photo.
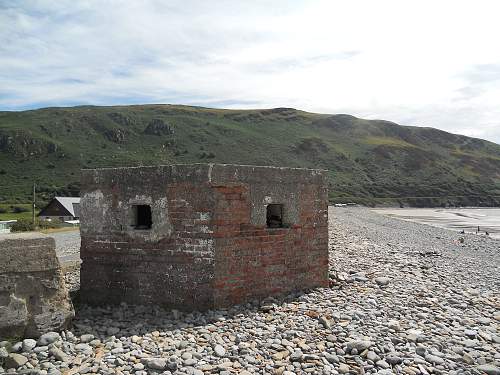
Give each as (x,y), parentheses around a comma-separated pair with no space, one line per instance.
(370,161)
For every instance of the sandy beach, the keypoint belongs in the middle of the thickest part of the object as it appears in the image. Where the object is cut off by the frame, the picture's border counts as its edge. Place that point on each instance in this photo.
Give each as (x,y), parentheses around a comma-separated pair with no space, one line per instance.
(466,219)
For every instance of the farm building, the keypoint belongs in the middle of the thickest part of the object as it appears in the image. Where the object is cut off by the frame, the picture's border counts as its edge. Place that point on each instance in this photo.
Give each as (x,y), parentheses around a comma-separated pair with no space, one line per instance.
(62,209)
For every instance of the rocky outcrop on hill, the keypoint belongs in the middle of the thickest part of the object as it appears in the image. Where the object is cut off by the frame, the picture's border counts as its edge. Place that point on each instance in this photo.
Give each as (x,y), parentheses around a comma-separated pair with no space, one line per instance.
(33,296)
(23,145)
(115,135)
(121,119)
(158,127)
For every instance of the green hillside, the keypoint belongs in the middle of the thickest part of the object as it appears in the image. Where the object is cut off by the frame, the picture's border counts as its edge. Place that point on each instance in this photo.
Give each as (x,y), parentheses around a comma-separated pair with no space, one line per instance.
(370,161)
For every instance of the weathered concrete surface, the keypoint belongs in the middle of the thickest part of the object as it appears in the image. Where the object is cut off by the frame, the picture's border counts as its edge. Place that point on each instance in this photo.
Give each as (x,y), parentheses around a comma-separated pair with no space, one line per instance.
(33,296)
(209,245)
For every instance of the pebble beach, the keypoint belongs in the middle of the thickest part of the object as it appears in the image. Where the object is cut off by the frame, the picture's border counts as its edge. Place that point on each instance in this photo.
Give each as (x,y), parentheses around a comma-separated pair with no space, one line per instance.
(405,298)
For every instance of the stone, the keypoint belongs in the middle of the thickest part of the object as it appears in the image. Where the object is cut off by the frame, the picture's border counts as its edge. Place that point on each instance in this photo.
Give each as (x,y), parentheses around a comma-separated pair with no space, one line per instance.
(383,364)
(394,324)
(48,338)
(468,359)
(40,349)
(86,338)
(434,359)
(219,350)
(332,358)
(310,358)
(157,364)
(471,333)
(38,300)
(485,336)
(84,348)
(190,362)
(420,350)
(324,322)
(183,344)
(28,345)
(415,335)
(296,356)
(470,343)
(59,354)
(382,281)
(359,345)
(281,355)
(393,359)
(331,338)
(136,339)
(187,355)
(15,360)
(489,369)
(17,347)
(343,368)
(372,356)
(484,320)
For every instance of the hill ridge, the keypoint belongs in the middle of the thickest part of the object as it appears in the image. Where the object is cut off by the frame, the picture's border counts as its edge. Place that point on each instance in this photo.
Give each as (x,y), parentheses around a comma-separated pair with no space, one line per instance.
(369,161)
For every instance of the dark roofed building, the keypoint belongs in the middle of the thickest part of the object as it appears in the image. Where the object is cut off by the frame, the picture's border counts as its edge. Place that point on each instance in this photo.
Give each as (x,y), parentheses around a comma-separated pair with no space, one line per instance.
(61,208)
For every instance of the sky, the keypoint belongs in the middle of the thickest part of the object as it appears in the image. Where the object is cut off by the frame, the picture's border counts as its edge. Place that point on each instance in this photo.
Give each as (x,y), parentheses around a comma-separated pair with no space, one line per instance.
(421,63)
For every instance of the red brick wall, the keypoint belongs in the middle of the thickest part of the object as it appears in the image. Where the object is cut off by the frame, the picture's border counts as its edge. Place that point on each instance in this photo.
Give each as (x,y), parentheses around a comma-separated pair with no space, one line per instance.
(253,261)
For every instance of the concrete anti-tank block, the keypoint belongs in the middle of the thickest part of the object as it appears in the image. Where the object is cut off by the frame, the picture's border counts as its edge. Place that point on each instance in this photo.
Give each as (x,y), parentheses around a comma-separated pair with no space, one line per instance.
(33,295)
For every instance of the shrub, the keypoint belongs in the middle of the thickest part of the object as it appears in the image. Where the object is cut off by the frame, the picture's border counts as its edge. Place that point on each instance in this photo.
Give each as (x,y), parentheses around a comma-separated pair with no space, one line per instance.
(45,224)
(22,225)
(19,209)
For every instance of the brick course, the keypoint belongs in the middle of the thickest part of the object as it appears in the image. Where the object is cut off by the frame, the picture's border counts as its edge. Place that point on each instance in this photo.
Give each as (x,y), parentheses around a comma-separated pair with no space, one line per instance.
(209,245)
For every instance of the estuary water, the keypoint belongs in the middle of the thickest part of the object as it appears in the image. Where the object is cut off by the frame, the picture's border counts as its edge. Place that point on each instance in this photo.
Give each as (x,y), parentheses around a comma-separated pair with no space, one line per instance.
(467,219)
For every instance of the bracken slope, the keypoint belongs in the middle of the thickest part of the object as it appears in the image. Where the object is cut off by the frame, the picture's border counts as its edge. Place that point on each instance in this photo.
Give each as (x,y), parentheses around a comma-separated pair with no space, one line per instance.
(370,161)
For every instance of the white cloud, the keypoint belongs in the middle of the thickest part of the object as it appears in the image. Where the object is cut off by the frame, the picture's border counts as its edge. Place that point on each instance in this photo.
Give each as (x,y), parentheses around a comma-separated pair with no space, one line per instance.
(419,63)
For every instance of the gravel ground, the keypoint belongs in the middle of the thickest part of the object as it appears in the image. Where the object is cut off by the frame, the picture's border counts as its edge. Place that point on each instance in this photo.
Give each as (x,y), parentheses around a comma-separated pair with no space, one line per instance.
(68,252)
(67,244)
(405,299)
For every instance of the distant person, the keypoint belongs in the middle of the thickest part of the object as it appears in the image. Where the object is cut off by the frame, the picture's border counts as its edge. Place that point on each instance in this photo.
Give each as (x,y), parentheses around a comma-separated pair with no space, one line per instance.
(462,232)
(487,233)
